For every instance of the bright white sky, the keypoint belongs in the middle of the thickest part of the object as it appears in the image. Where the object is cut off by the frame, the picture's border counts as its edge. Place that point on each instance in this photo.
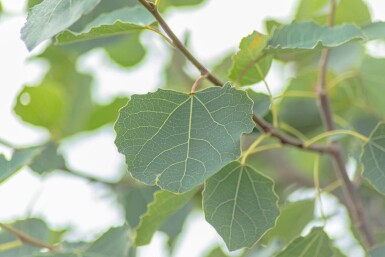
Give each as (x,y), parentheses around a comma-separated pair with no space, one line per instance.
(63,200)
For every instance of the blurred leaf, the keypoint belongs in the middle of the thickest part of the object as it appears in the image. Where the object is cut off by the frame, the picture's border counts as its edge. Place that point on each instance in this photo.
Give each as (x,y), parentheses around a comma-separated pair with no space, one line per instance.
(291,107)
(261,102)
(373,158)
(105,114)
(34,228)
(240,204)
(51,17)
(48,160)
(375,30)
(170,138)
(135,200)
(128,51)
(164,205)
(285,229)
(178,3)
(216,252)
(309,9)
(308,35)
(32,3)
(114,243)
(118,22)
(352,11)
(247,68)
(315,244)
(174,223)
(20,158)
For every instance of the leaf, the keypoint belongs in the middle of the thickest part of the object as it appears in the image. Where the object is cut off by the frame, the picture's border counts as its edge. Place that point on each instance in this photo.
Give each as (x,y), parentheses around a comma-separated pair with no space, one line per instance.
(375,30)
(118,22)
(261,102)
(127,52)
(216,252)
(35,228)
(307,35)
(309,9)
(48,160)
(352,11)
(315,244)
(240,204)
(114,243)
(373,158)
(19,159)
(247,69)
(51,17)
(285,229)
(171,139)
(164,205)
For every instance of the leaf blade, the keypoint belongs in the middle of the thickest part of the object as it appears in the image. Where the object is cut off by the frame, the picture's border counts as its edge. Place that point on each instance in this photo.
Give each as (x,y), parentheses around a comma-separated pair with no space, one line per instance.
(242,198)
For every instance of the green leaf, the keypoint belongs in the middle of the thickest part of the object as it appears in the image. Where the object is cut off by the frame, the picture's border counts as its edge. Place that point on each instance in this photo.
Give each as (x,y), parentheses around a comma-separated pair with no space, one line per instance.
(118,22)
(352,11)
(171,139)
(261,102)
(164,205)
(105,114)
(32,227)
(373,158)
(128,51)
(246,68)
(48,160)
(315,244)
(240,204)
(308,35)
(20,158)
(375,30)
(308,9)
(32,3)
(51,17)
(216,252)
(285,229)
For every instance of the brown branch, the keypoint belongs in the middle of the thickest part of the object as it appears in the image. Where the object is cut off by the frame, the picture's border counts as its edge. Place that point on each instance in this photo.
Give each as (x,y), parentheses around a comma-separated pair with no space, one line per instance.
(353,200)
(27,239)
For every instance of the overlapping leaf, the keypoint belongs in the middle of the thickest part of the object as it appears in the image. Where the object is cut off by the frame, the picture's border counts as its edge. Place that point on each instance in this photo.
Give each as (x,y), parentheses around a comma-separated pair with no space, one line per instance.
(315,244)
(375,30)
(164,205)
(285,229)
(240,204)
(19,159)
(247,68)
(373,158)
(51,17)
(118,22)
(307,35)
(178,140)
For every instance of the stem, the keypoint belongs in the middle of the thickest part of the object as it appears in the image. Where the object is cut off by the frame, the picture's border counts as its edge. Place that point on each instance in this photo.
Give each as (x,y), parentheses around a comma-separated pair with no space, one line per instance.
(27,239)
(353,201)
(197,82)
(265,148)
(252,147)
(336,132)
(318,187)
(10,245)
(271,98)
(178,44)
(264,125)
(293,131)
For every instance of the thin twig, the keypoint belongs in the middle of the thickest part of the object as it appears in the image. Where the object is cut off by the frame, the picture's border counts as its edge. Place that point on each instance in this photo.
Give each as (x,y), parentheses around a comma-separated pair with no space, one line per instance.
(353,200)
(27,239)
(264,125)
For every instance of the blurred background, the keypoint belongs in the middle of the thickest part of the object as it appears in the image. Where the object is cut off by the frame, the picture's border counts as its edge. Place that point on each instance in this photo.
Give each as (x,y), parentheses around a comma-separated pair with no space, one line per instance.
(212,30)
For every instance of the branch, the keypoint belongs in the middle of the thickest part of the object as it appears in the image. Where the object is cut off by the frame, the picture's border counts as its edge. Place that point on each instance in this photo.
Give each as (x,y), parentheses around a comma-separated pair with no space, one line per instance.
(27,239)
(353,201)
(264,125)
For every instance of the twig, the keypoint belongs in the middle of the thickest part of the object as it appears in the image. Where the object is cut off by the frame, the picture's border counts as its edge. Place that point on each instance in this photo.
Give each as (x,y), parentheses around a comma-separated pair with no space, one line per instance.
(353,201)
(264,125)
(27,239)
